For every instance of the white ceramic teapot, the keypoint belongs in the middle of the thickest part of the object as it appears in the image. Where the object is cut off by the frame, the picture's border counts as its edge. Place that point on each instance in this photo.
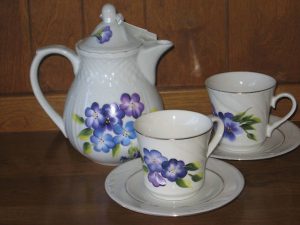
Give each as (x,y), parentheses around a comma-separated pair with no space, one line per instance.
(114,85)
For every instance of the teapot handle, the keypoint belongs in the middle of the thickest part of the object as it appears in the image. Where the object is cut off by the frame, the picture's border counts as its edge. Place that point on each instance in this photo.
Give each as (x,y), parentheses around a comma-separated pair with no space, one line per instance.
(40,55)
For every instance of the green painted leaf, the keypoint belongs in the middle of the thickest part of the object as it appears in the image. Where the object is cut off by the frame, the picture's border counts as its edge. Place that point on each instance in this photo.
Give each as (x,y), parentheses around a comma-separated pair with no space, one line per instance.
(196,177)
(132,150)
(85,134)
(251,136)
(145,168)
(193,166)
(87,148)
(247,127)
(154,109)
(245,118)
(238,117)
(78,119)
(116,150)
(98,33)
(256,119)
(184,183)
(251,122)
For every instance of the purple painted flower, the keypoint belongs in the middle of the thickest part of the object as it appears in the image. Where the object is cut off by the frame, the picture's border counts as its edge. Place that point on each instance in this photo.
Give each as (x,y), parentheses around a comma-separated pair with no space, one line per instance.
(102,142)
(156,179)
(173,169)
(154,160)
(134,156)
(131,105)
(231,129)
(110,116)
(104,34)
(93,115)
(124,134)
(222,116)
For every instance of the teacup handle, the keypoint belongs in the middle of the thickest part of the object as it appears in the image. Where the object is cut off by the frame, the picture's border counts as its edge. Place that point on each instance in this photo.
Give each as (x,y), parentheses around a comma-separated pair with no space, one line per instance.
(217,136)
(271,127)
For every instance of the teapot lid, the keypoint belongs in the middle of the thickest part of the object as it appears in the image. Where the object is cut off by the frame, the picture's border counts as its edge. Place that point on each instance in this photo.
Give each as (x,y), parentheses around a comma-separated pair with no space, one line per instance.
(111,35)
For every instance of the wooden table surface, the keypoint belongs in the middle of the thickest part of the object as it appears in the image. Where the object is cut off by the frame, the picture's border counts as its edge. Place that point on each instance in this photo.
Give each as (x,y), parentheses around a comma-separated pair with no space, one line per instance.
(43,180)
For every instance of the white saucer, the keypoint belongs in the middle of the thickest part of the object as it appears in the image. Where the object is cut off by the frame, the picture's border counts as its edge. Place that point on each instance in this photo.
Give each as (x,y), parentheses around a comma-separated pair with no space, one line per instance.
(223,183)
(283,140)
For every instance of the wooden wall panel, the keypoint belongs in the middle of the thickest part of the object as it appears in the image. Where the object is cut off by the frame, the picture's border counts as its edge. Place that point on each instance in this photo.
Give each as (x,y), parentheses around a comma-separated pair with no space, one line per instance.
(55,22)
(14,46)
(210,36)
(31,117)
(264,36)
(198,30)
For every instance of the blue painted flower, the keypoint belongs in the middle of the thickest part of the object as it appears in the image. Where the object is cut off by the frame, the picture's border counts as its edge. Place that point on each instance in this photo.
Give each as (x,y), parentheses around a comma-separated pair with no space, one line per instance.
(222,116)
(104,35)
(134,156)
(102,142)
(231,129)
(124,134)
(93,115)
(154,160)
(156,179)
(173,169)
(110,116)
(132,105)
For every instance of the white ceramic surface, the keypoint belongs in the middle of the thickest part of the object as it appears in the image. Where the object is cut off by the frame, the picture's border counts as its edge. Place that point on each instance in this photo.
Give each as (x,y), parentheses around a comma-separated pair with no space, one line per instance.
(126,187)
(283,140)
(114,82)
(243,101)
(174,146)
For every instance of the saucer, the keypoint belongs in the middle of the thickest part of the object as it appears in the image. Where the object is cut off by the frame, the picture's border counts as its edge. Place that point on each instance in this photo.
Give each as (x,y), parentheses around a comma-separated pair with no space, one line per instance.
(125,185)
(283,140)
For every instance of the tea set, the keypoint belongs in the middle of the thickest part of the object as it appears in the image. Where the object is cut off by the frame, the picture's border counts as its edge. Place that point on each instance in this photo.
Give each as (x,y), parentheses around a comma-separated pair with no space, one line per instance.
(166,158)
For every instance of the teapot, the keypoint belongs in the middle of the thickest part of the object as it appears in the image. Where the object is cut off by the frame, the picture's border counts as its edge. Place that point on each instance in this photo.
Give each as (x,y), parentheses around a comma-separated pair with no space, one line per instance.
(114,84)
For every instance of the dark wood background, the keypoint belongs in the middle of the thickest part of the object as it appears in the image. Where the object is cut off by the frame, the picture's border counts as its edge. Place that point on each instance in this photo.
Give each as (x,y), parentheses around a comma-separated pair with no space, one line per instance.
(210,36)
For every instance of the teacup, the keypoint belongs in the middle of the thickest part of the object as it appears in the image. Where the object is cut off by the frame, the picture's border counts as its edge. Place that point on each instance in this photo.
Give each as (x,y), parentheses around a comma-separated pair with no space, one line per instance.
(243,101)
(174,146)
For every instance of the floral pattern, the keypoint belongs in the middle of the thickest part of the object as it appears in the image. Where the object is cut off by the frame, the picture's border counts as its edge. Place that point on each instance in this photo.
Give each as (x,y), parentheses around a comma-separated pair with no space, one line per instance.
(124,134)
(239,124)
(102,141)
(173,169)
(153,160)
(111,115)
(92,116)
(103,35)
(105,129)
(131,105)
(160,170)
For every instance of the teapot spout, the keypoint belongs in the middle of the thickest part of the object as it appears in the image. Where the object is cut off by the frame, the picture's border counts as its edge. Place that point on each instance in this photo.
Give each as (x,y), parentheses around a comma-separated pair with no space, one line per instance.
(148,56)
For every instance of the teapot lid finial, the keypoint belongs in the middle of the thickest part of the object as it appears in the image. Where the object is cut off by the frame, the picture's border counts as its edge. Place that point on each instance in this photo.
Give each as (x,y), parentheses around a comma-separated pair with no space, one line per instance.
(112,35)
(108,13)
